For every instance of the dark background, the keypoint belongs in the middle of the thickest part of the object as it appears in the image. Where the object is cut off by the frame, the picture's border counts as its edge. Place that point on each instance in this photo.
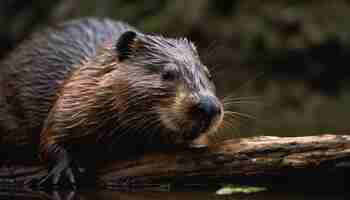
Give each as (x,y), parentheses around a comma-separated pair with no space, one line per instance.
(294,55)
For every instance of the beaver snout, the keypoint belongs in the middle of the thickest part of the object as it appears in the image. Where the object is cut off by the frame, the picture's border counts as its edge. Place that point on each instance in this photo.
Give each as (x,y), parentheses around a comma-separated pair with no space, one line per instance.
(207,110)
(208,107)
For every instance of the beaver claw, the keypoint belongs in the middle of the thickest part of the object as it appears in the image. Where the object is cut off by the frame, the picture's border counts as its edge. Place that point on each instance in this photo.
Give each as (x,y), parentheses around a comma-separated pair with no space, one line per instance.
(61,173)
(56,175)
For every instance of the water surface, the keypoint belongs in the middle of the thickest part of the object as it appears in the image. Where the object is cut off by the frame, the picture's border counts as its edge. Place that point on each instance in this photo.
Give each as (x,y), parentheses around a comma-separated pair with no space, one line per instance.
(151,195)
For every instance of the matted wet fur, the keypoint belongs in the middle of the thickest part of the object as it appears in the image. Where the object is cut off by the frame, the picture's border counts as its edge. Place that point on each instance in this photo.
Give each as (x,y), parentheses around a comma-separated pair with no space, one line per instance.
(97,85)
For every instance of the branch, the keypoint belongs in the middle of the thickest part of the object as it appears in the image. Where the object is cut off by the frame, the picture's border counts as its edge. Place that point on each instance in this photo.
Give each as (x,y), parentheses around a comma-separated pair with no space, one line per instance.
(295,161)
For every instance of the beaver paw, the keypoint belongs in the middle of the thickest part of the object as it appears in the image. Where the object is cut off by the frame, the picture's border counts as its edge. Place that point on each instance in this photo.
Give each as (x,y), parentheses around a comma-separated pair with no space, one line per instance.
(63,173)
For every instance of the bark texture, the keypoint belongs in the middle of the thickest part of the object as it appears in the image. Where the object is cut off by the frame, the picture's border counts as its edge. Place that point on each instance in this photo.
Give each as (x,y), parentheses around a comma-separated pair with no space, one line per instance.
(298,162)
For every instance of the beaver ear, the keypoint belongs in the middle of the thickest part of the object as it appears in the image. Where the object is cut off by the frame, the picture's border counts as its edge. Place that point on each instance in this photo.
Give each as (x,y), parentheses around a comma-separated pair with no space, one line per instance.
(125,44)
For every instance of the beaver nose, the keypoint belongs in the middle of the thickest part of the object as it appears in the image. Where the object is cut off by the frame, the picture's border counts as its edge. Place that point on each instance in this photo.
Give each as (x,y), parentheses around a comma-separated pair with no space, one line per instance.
(208,107)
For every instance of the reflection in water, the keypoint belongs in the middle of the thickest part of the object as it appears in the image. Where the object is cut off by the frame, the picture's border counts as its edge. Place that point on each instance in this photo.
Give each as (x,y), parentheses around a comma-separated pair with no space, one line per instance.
(114,195)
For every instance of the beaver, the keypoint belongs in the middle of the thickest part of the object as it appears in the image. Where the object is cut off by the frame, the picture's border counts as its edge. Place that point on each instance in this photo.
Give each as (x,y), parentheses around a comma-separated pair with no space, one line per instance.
(93,83)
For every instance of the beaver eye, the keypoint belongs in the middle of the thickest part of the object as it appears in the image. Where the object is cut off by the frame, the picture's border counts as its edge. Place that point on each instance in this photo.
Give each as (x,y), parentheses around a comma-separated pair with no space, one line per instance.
(169,75)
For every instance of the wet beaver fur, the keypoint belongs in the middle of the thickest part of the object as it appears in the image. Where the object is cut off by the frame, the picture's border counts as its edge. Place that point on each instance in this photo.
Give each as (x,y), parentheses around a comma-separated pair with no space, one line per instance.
(92,87)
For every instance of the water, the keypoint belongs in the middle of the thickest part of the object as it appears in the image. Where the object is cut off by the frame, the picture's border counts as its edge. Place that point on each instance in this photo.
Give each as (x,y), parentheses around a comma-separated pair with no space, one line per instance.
(184,195)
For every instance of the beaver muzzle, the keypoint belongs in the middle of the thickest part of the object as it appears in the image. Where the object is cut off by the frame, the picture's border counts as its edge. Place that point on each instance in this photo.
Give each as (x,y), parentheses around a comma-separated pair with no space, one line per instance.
(207,113)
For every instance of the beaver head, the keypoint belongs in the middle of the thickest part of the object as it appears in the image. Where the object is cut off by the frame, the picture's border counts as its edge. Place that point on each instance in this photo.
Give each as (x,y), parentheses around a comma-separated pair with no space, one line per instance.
(140,85)
(164,80)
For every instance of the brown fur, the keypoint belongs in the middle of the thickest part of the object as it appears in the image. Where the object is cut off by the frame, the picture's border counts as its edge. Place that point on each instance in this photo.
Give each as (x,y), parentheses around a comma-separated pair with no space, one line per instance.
(86,86)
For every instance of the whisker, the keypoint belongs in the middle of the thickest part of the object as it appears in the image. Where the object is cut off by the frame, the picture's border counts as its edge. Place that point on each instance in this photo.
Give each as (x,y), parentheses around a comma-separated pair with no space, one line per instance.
(232,125)
(233,98)
(243,102)
(229,125)
(245,115)
(233,121)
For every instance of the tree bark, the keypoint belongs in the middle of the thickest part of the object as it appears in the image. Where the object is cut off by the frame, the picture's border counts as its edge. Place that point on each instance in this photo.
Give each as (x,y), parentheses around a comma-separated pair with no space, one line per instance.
(283,162)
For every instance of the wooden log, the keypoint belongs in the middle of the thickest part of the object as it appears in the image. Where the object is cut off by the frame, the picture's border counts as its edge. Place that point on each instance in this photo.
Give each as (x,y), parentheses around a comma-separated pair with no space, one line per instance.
(297,162)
